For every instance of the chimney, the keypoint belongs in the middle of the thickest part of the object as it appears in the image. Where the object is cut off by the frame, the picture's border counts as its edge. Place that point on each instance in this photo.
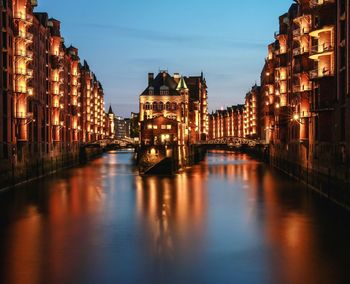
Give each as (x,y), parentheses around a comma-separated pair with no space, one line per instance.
(150,79)
(177,77)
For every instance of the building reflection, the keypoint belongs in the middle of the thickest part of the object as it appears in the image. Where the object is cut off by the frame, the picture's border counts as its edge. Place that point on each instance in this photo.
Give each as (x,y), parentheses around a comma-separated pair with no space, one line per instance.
(103,220)
(49,221)
(174,209)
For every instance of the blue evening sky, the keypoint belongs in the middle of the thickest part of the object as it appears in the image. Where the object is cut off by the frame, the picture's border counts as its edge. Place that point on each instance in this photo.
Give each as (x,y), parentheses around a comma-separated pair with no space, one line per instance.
(124,40)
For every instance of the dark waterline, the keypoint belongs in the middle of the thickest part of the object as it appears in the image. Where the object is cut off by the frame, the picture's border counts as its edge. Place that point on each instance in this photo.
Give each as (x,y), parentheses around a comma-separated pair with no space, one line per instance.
(229,219)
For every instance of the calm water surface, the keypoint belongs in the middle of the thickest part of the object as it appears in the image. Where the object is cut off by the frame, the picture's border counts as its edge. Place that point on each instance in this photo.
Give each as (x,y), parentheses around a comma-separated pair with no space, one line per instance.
(229,219)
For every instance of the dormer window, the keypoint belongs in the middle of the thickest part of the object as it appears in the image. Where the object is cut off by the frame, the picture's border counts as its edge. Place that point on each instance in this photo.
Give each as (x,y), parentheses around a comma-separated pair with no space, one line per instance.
(151,91)
(164,91)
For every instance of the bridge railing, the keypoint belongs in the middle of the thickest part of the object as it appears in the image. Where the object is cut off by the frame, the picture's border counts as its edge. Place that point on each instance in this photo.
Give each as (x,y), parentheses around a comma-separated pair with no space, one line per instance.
(234,141)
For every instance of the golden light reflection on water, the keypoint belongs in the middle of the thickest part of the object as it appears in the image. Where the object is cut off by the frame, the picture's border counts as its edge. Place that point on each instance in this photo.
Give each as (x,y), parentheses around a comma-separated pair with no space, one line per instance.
(229,205)
(174,209)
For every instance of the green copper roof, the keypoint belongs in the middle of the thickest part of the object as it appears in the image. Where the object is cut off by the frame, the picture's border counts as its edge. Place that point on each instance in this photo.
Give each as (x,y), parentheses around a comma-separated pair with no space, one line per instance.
(182,85)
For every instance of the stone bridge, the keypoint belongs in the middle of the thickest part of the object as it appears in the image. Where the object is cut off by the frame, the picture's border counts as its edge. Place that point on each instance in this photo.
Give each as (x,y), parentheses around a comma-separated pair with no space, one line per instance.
(234,142)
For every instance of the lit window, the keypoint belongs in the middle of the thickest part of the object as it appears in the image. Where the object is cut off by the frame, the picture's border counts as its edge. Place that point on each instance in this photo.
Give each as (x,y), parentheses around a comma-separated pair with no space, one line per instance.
(155,127)
(149,126)
(168,126)
(163,127)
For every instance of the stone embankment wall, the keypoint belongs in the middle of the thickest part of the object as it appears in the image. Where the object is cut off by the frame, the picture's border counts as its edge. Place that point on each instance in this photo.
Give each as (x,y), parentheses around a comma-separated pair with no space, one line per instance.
(331,180)
(12,174)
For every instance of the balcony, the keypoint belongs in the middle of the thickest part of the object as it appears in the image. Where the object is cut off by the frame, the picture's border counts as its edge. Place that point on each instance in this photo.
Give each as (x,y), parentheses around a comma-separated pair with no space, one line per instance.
(280,51)
(302,88)
(27,18)
(20,53)
(20,90)
(321,50)
(20,71)
(320,73)
(301,32)
(29,54)
(279,35)
(30,91)
(29,37)
(322,28)
(318,3)
(29,73)
(300,50)
(21,115)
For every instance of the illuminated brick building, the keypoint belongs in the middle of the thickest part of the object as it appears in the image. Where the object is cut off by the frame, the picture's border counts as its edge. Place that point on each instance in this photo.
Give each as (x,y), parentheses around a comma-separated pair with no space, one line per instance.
(183,99)
(173,116)
(51,103)
(7,125)
(302,110)
(251,114)
(227,123)
(166,97)
(198,104)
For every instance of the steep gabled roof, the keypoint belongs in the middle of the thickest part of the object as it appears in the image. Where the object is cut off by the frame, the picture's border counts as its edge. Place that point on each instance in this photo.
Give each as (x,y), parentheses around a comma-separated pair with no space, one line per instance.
(110,111)
(162,80)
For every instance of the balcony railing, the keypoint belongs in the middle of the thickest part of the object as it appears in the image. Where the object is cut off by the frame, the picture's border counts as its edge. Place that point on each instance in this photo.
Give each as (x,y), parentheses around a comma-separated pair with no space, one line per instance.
(21,115)
(300,50)
(315,3)
(29,72)
(301,88)
(280,78)
(29,37)
(20,53)
(322,48)
(23,17)
(320,73)
(20,71)
(29,54)
(301,31)
(21,90)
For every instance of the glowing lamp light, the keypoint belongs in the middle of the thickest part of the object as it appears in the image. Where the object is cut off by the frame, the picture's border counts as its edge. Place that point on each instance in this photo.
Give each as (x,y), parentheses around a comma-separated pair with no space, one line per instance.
(296,117)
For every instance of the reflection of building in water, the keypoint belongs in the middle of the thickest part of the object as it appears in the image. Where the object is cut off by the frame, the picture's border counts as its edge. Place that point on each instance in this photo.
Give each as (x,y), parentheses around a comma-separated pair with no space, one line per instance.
(291,237)
(56,212)
(175,209)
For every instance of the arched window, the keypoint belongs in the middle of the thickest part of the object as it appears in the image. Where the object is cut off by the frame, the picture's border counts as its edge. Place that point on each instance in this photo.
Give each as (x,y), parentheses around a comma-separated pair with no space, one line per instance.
(154,106)
(147,106)
(160,106)
(167,106)
(174,106)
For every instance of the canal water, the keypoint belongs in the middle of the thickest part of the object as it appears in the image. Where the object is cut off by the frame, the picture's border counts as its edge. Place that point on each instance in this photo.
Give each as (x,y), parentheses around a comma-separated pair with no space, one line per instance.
(230,219)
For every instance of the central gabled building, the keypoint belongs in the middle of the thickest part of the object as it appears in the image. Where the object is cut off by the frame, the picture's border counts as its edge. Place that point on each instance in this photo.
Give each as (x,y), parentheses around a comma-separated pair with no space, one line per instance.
(165,97)
(173,115)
